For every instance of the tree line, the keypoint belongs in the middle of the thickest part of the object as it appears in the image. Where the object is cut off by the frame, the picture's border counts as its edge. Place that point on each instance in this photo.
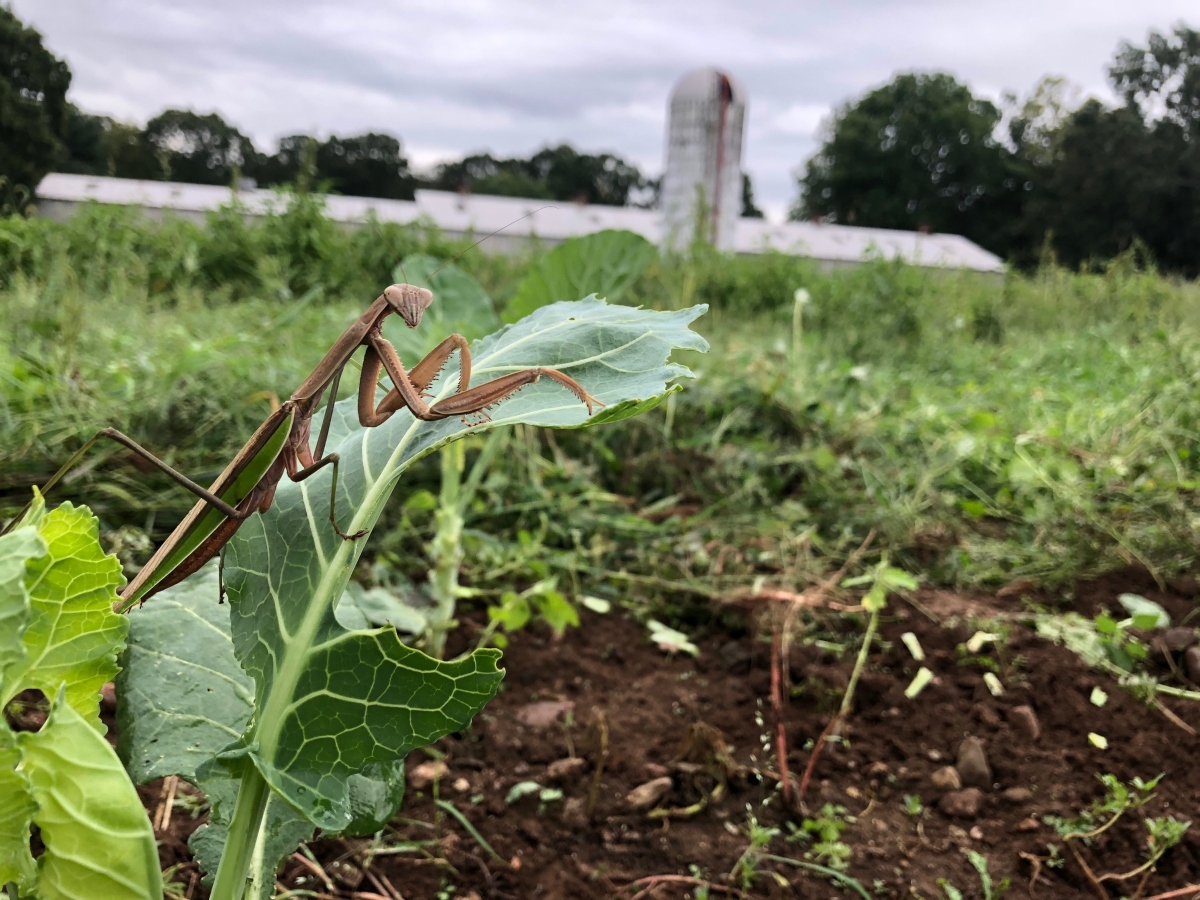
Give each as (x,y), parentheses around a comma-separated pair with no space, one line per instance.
(1079,183)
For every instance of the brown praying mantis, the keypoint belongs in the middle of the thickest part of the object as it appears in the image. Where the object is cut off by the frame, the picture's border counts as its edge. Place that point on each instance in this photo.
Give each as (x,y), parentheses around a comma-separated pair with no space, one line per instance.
(282,443)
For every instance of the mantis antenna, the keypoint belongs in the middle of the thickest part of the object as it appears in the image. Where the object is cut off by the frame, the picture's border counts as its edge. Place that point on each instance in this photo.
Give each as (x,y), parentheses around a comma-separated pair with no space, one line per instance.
(481,240)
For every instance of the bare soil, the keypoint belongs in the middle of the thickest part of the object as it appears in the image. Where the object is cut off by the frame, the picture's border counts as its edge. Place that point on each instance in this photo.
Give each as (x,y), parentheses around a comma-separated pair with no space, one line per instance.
(658,714)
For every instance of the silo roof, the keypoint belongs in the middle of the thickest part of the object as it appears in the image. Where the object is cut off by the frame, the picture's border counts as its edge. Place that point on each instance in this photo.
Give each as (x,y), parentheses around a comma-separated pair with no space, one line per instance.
(700,84)
(552,222)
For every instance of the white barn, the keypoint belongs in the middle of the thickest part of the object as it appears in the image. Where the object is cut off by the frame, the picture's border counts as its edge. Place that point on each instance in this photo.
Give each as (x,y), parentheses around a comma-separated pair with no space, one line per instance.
(461,215)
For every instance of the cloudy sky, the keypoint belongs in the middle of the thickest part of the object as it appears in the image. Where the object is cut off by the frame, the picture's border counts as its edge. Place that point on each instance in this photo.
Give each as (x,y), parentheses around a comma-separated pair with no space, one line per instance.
(509,76)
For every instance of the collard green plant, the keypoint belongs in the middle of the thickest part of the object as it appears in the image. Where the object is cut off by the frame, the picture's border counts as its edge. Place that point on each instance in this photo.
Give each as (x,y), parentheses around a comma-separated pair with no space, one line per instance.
(335,710)
(604,263)
(59,635)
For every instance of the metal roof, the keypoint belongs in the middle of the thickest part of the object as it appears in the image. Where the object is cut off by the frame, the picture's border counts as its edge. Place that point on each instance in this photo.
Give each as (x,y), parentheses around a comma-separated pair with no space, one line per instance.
(480,214)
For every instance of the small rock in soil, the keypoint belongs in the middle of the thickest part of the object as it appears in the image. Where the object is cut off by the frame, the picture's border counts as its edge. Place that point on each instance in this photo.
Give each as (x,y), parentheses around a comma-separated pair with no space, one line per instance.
(565,769)
(736,657)
(544,713)
(962,804)
(1025,723)
(574,814)
(1191,664)
(934,755)
(655,770)
(1030,824)
(1018,795)
(878,769)
(976,833)
(987,715)
(108,698)
(645,796)
(462,785)
(422,776)
(972,764)
(946,779)
(1175,640)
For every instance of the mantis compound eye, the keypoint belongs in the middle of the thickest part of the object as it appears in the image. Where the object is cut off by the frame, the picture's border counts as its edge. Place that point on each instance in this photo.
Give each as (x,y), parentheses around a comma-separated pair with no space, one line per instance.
(409,302)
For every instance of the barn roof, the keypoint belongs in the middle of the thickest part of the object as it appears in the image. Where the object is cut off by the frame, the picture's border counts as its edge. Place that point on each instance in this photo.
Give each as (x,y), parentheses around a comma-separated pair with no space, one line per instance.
(480,214)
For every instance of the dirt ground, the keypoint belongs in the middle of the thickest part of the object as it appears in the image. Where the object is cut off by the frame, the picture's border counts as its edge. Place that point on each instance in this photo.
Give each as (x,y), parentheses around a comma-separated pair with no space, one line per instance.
(675,717)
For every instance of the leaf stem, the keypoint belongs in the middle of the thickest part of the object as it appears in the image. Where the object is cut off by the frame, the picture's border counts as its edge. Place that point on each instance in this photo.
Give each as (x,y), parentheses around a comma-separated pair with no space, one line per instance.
(244,828)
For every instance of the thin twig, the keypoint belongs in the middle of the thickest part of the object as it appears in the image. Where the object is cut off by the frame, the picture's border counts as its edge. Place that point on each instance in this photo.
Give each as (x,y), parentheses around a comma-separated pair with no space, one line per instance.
(315,867)
(812,758)
(164,818)
(1178,892)
(601,725)
(1101,893)
(650,882)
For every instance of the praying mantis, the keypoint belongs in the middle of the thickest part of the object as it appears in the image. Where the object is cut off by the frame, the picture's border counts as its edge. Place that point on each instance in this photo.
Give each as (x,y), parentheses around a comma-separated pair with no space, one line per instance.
(282,443)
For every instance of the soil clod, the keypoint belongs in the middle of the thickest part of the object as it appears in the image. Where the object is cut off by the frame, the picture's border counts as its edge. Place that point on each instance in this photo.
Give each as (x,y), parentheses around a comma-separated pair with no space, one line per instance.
(964,804)
(1025,723)
(562,770)
(946,779)
(544,713)
(645,796)
(972,764)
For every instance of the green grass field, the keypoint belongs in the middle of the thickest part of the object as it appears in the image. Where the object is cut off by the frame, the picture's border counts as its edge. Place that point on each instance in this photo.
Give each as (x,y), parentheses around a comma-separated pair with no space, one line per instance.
(986,429)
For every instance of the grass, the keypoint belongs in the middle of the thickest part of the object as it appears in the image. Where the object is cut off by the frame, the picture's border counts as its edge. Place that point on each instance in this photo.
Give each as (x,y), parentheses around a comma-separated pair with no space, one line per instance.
(987,429)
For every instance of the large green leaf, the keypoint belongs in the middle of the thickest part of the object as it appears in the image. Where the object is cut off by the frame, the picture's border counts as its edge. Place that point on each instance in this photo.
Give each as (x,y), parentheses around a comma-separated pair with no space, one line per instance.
(17,809)
(604,263)
(17,806)
(183,695)
(331,703)
(99,843)
(17,548)
(73,636)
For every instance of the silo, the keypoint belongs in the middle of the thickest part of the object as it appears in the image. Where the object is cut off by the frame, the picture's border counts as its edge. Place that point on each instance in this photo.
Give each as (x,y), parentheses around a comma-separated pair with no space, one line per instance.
(706,120)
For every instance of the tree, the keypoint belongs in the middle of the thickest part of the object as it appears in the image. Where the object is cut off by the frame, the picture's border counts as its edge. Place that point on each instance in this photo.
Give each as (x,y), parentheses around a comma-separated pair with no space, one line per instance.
(749,210)
(1164,75)
(369,165)
(553,173)
(916,154)
(199,149)
(33,108)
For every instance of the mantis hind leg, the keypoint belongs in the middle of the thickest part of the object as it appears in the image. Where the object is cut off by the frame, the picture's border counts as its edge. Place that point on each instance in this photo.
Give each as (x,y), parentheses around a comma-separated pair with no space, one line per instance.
(331,460)
(481,398)
(130,444)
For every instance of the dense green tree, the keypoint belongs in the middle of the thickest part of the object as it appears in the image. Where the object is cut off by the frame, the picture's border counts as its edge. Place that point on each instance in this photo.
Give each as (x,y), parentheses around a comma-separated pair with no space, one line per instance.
(554,173)
(198,148)
(918,153)
(749,210)
(368,165)
(33,108)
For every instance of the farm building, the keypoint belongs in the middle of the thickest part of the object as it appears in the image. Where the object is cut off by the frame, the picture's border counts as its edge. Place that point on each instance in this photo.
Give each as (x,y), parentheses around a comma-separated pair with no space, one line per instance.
(59,195)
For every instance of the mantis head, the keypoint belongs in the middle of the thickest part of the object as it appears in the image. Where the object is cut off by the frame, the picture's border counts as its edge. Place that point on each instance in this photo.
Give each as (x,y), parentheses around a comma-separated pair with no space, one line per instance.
(409,302)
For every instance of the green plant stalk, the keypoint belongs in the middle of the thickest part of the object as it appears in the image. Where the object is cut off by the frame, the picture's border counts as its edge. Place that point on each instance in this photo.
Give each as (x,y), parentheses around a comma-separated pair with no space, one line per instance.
(234,873)
(859,664)
(446,550)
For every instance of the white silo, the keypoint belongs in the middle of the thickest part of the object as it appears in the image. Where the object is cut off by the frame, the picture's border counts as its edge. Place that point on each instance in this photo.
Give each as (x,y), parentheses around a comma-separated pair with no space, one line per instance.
(706,121)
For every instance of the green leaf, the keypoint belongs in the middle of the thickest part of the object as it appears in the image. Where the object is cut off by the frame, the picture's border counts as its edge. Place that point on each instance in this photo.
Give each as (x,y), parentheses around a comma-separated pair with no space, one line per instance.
(17,548)
(360,608)
(604,264)
(99,843)
(73,636)
(16,815)
(183,695)
(557,611)
(1146,614)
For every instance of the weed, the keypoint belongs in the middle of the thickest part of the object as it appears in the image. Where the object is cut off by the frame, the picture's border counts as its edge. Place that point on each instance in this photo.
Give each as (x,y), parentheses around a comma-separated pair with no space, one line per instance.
(823,832)
(989,890)
(1118,799)
(913,805)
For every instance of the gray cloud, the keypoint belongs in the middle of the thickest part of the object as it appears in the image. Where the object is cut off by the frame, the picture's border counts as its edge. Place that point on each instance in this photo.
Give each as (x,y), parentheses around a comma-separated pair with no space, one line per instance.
(454,76)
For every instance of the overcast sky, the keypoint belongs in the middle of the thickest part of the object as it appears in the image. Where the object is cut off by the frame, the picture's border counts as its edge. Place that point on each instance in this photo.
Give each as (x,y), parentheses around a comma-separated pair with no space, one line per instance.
(510,76)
